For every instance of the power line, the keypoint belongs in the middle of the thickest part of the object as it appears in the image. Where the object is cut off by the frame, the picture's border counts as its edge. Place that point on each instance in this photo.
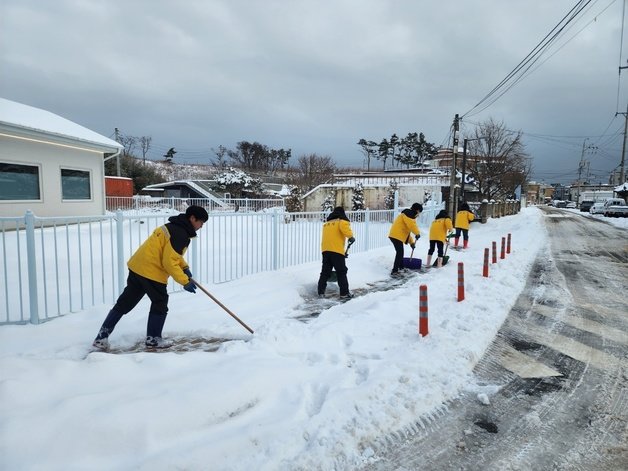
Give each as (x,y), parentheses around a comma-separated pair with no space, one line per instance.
(530,59)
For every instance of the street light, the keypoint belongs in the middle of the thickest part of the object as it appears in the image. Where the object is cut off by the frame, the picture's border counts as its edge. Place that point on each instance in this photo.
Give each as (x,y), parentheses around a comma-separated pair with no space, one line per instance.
(464,164)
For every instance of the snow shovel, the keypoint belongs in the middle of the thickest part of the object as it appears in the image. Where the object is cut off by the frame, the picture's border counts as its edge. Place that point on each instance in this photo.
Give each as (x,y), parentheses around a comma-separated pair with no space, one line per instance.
(412,263)
(445,256)
(334,276)
(221,305)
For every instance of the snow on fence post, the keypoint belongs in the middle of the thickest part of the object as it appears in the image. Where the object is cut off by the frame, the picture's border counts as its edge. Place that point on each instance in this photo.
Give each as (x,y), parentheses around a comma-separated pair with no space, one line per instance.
(31,257)
(423,320)
(120,247)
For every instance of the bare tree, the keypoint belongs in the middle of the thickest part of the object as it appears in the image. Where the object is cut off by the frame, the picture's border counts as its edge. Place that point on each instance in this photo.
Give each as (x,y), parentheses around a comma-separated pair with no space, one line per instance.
(145,146)
(497,160)
(221,157)
(128,143)
(311,170)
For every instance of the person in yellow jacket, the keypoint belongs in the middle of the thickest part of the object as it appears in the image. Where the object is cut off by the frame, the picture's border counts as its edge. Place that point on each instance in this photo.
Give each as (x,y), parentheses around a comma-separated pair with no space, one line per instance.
(439,230)
(336,231)
(401,232)
(463,218)
(157,259)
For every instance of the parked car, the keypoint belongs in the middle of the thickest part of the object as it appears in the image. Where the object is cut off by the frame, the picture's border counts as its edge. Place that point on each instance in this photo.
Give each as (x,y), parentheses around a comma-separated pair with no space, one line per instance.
(560,204)
(571,204)
(597,208)
(585,206)
(615,207)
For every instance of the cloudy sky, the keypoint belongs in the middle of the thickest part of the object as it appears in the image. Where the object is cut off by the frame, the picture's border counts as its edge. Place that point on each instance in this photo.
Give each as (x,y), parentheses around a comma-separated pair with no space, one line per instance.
(316,76)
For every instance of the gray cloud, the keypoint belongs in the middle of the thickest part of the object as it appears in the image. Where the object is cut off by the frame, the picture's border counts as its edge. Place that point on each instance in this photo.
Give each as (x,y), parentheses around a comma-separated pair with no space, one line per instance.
(314,76)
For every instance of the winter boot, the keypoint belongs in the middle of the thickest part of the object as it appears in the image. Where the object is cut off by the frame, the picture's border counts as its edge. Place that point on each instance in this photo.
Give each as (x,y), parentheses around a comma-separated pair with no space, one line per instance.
(439,262)
(101,341)
(456,239)
(465,244)
(428,264)
(158,342)
(156,321)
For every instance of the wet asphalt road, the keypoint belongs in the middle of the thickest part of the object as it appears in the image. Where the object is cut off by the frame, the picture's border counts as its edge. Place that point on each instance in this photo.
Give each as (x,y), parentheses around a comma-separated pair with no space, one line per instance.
(556,373)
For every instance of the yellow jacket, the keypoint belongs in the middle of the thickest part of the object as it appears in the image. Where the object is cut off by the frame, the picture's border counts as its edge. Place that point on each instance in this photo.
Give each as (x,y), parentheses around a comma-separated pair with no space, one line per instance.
(463,218)
(161,255)
(335,232)
(440,228)
(403,226)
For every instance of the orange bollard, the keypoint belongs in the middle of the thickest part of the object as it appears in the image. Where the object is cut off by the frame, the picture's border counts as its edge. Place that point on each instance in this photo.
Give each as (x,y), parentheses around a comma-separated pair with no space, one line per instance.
(423,310)
(508,244)
(494,259)
(485,270)
(502,254)
(460,281)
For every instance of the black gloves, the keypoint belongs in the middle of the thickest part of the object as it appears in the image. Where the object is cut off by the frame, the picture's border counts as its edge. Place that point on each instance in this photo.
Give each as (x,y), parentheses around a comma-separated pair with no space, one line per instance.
(187,272)
(191,287)
(351,240)
(412,246)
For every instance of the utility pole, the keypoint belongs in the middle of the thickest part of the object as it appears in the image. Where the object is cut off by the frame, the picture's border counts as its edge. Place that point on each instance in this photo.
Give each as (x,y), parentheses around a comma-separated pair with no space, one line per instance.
(580,167)
(118,156)
(622,173)
(452,179)
(464,166)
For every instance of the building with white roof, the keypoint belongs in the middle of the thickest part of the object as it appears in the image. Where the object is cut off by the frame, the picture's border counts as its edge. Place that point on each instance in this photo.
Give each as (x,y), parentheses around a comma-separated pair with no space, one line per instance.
(50,165)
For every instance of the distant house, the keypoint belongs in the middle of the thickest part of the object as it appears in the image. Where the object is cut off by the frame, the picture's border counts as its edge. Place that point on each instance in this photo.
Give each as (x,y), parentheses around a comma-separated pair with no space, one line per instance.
(190,189)
(50,165)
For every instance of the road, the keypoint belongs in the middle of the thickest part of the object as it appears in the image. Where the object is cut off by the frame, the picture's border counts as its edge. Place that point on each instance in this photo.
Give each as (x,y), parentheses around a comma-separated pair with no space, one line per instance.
(557,372)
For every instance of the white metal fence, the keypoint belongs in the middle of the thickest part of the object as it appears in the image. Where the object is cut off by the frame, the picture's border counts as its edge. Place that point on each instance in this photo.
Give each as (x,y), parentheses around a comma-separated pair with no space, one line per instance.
(54,266)
(149,204)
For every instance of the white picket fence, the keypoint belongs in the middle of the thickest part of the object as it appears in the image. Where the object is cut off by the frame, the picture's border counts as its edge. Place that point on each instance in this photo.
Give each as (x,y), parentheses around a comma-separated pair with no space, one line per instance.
(54,266)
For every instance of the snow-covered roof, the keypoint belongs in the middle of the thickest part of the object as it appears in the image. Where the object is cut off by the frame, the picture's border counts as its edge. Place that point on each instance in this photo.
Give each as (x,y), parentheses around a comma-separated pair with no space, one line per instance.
(200,186)
(35,119)
(623,187)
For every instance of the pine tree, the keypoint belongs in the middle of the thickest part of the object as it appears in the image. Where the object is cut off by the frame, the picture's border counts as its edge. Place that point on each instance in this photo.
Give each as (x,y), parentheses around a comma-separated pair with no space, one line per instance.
(389,201)
(294,202)
(357,198)
(330,201)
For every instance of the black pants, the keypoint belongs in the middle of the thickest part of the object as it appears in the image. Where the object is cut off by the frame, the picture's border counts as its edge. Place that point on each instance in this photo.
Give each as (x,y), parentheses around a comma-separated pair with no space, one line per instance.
(433,245)
(333,261)
(465,233)
(398,254)
(136,287)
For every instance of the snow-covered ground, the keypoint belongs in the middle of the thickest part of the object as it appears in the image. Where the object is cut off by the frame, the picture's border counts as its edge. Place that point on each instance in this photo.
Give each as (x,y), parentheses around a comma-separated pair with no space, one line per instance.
(295,395)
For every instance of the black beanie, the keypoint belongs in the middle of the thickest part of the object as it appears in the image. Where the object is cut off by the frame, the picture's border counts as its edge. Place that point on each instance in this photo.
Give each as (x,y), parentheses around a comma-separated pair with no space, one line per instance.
(198,212)
(417,207)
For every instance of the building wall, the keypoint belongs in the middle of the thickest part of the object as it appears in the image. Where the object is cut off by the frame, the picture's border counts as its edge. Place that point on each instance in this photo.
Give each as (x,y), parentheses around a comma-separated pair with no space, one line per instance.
(374,196)
(51,158)
(118,186)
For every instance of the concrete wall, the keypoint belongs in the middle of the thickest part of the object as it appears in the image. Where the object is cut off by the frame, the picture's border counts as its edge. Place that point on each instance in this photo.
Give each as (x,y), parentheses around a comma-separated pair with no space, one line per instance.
(50,159)
(374,196)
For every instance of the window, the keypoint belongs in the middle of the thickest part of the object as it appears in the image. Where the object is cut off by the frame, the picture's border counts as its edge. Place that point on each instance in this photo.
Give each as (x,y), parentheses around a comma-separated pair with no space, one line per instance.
(19,182)
(75,184)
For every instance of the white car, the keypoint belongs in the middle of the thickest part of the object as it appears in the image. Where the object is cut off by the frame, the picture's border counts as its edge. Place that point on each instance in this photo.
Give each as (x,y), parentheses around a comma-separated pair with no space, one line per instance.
(597,208)
(571,204)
